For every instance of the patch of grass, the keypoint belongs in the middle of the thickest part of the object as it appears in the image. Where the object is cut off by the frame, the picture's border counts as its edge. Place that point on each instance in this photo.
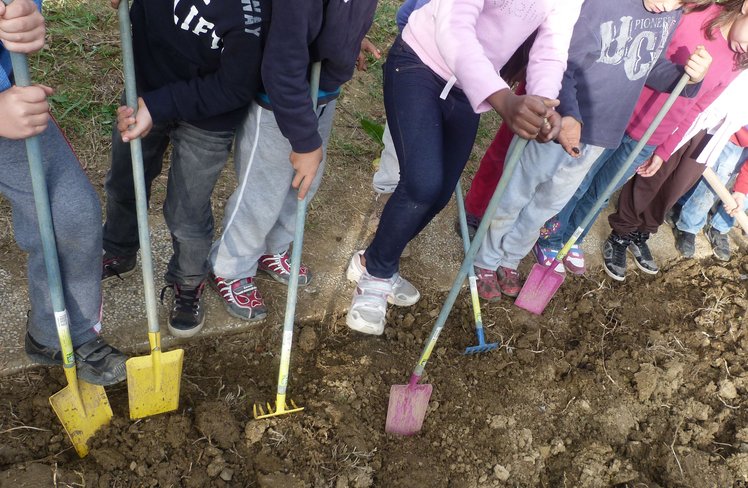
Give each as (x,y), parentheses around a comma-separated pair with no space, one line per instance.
(81,61)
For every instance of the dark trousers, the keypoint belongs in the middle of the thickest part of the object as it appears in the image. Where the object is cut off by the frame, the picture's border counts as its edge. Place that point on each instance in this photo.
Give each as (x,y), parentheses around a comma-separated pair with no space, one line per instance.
(197,158)
(643,202)
(433,139)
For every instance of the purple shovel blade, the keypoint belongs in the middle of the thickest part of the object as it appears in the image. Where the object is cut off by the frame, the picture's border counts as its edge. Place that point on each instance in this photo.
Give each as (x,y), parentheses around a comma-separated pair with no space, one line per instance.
(539,288)
(407,408)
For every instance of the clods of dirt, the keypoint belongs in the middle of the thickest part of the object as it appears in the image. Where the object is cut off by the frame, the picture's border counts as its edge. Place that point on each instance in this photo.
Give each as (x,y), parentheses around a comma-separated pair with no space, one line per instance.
(637,384)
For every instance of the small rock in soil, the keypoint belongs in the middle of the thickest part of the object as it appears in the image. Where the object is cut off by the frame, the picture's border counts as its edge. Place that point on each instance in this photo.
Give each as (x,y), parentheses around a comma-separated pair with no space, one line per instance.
(254,430)
(727,389)
(501,472)
(227,474)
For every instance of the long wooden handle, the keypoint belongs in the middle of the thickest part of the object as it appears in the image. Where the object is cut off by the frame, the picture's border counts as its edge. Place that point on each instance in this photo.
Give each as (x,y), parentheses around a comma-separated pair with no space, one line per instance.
(724,194)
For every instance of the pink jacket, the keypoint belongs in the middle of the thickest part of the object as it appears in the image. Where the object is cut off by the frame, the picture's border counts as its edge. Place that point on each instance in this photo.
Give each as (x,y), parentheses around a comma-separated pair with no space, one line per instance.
(688,35)
(471,40)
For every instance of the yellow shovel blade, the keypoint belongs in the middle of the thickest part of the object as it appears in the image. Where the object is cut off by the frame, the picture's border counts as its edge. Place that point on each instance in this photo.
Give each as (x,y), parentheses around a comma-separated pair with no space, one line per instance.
(82,414)
(153,383)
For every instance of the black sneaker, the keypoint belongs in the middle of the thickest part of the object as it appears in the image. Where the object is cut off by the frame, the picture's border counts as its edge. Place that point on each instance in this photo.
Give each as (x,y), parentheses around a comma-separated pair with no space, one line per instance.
(720,244)
(614,256)
(187,316)
(642,255)
(117,266)
(473,221)
(685,242)
(673,215)
(97,362)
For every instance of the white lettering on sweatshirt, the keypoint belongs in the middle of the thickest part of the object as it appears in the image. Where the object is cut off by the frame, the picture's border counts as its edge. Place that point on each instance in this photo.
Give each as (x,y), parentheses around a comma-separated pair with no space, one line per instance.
(638,52)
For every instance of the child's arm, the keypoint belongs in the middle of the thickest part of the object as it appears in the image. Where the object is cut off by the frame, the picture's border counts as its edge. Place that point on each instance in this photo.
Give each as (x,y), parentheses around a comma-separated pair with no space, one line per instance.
(550,51)
(665,74)
(232,86)
(285,73)
(739,191)
(667,148)
(24,111)
(21,26)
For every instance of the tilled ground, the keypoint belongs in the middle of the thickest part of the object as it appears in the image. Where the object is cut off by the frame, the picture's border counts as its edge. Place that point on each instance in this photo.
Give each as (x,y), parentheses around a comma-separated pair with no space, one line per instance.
(640,384)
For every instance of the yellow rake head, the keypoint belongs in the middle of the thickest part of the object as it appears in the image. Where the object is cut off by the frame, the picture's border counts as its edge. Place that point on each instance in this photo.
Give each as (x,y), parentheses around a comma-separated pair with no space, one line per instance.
(281,408)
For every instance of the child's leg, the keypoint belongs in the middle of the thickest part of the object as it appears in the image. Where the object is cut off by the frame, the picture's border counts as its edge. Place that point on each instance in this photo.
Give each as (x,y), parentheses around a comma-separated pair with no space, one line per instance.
(549,198)
(279,238)
(264,176)
(197,158)
(557,230)
(695,210)
(121,224)
(388,174)
(605,174)
(639,193)
(489,173)
(433,139)
(76,214)
(684,173)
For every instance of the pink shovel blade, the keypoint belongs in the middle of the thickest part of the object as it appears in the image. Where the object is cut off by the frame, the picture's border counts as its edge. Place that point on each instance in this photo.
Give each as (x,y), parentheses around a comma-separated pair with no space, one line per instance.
(539,288)
(407,408)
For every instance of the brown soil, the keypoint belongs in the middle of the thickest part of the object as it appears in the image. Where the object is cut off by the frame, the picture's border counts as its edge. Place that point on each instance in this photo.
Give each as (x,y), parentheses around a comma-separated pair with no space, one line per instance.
(640,384)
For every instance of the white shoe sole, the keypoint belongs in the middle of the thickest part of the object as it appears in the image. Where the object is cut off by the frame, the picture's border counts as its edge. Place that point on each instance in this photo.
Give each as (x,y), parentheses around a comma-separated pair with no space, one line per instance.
(355,322)
(185,334)
(354,272)
(642,268)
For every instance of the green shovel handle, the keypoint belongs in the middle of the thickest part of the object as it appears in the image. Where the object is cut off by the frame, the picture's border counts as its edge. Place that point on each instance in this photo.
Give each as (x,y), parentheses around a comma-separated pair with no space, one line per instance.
(293,281)
(138,173)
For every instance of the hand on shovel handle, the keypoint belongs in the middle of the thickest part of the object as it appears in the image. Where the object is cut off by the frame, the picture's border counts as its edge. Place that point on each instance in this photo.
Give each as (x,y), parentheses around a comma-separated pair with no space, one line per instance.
(724,194)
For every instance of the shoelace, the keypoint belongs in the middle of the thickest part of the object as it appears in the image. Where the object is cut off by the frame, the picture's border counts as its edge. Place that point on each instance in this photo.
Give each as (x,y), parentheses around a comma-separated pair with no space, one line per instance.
(184,300)
(278,263)
(619,250)
(640,239)
(109,266)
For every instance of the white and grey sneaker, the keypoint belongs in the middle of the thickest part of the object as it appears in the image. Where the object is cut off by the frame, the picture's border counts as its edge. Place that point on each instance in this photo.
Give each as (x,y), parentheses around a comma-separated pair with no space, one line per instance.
(642,254)
(369,306)
(404,294)
(614,256)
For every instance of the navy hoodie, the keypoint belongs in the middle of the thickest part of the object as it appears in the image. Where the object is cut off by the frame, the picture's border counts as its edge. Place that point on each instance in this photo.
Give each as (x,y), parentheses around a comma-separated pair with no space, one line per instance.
(199,61)
(302,32)
(616,48)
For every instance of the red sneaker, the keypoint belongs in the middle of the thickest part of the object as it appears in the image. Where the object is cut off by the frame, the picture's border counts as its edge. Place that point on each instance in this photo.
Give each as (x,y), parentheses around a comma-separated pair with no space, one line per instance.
(488,285)
(241,297)
(278,266)
(509,281)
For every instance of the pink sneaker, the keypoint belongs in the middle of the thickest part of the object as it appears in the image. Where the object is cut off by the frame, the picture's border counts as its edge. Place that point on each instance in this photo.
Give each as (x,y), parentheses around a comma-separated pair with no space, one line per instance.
(545,256)
(574,261)
(488,285)
(509,281)
(278,266)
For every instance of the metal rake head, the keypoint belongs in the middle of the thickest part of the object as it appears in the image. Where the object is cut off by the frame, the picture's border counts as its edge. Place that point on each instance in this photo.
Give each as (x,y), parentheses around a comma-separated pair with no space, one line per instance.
(481,348)
(259,411)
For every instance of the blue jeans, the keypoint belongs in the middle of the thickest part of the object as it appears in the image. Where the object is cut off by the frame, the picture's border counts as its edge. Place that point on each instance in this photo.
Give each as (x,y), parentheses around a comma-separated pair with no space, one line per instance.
(559,229)
(722,222)
(433,139)
(695,205)
(76,214)
(197,158)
